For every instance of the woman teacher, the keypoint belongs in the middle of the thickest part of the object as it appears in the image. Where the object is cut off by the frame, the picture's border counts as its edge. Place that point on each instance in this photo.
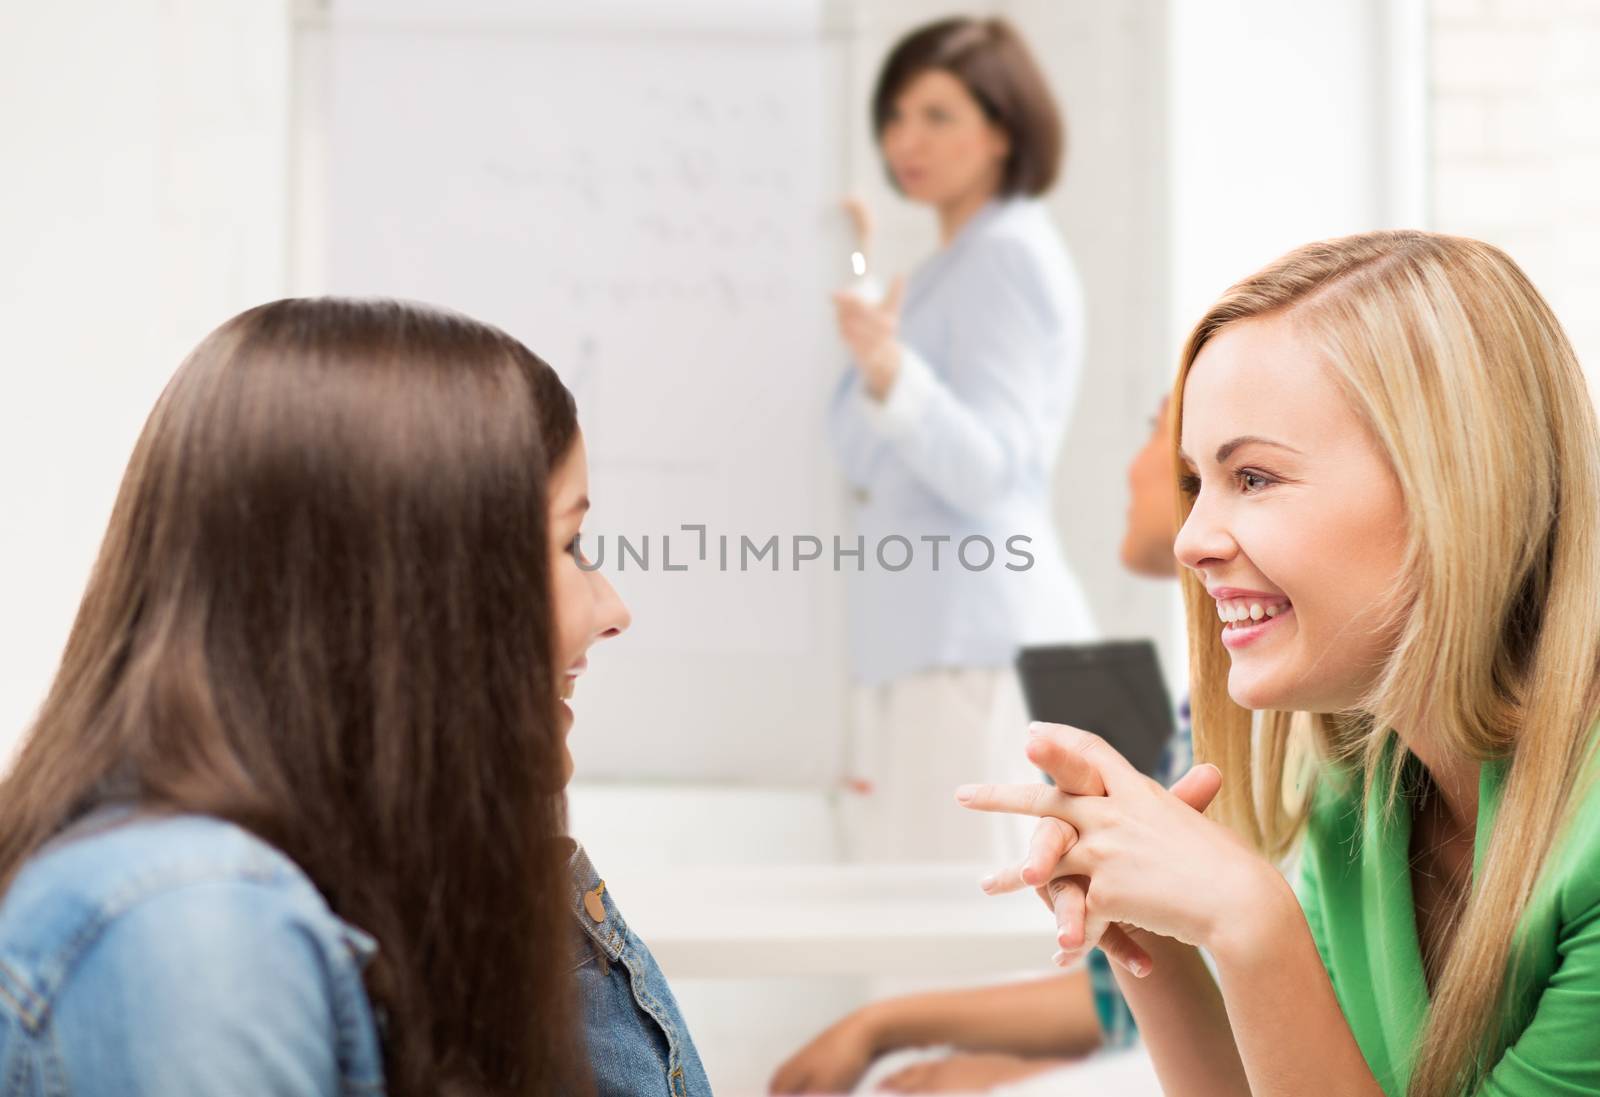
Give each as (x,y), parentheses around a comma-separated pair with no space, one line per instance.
(947,424)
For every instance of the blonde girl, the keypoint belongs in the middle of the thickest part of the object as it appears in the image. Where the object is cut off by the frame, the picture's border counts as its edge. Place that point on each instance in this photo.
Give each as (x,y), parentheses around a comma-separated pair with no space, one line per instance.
(1391,538)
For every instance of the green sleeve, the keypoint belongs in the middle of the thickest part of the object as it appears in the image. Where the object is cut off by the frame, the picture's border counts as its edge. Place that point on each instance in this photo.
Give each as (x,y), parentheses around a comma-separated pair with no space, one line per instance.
(1558,1054)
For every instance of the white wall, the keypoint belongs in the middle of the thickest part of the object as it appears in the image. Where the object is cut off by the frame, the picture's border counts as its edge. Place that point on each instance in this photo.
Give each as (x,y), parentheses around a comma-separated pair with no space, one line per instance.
(144,153)
(1515,102)
(1280,116)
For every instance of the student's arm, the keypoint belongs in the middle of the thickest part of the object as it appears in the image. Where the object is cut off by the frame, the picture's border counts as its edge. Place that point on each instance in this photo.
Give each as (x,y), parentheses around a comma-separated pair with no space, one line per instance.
(1053,1016)
(1182,1021)
(1046,1018)
(967,1072)
(971,436)
(1272,1029)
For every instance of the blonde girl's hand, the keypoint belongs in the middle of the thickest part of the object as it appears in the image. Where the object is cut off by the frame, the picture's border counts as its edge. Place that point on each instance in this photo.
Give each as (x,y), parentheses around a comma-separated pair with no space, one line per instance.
(1067,896)
(871,331)
(1116,851)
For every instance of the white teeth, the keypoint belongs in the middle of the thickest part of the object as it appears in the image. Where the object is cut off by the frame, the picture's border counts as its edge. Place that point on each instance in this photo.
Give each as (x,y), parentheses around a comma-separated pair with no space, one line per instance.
(1235,611)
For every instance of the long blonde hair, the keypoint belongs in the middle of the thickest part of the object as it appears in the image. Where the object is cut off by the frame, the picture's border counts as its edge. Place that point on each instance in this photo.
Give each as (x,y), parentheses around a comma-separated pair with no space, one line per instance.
(1463,375)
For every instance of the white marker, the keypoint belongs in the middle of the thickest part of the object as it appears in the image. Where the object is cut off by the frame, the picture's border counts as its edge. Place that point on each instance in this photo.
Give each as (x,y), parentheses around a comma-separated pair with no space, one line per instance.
(862,284)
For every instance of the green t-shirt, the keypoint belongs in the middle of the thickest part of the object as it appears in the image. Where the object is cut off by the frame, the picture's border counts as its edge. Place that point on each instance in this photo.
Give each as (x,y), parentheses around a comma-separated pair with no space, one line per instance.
(1356,890)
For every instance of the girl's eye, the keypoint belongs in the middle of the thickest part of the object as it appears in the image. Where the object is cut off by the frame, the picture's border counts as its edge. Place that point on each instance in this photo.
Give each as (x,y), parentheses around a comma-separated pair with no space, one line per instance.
(574,549)
(1251,480)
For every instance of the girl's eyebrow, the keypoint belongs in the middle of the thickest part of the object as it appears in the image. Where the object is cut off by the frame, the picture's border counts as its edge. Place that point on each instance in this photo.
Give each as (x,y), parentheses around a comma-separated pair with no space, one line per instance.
(580,505)
(1225,450)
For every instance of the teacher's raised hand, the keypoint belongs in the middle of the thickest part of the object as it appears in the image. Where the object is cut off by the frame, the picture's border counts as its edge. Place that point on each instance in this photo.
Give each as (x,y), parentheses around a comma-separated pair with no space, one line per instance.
(1115,852)
(871,331)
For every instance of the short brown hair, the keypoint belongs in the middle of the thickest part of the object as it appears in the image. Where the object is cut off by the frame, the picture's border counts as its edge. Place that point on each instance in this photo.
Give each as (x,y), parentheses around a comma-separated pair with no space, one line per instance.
(990,58)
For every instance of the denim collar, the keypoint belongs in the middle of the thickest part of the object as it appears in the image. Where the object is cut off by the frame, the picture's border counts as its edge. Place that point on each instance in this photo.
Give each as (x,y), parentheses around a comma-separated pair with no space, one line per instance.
(610,933)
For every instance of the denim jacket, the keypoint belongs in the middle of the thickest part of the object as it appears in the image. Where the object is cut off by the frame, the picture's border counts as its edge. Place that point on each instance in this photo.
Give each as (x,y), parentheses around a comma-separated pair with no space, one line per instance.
(638,1043)
(182,956)
(178,956)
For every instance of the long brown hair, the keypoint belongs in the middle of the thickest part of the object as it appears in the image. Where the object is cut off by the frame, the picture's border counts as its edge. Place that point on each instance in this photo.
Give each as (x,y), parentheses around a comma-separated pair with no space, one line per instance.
(321,611)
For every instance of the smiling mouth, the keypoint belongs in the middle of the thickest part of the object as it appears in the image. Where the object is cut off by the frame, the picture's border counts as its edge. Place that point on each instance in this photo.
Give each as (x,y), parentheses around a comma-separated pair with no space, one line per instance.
(1243,613)
(1245,621)
(569,686)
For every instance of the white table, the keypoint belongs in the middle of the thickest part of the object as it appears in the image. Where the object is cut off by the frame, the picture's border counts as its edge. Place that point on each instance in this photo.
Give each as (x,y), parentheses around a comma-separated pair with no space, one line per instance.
(747,921)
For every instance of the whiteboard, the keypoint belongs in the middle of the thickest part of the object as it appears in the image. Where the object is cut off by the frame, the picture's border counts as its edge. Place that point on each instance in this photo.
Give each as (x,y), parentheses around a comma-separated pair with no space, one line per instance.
(651,207)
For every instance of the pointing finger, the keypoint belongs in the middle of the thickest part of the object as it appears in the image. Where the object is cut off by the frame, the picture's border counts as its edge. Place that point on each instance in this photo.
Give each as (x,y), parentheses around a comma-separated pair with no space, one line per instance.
(1039,799)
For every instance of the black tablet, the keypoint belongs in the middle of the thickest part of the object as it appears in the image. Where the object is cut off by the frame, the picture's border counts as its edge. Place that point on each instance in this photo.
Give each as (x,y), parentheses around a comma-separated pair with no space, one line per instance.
(1113,689)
